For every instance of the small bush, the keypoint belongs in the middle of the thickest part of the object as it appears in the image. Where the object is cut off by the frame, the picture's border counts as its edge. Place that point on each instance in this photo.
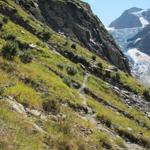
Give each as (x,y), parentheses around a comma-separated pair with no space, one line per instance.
(23,45)
(100,65)
(10,50)
(60,66)
(67,81)
(51,106)
(5,20)
(10,37)
(105,121)
(66,43)
(1,25)
(107,74)
(14,10)
(71,70)
(45,35)
(146,95)
(26,57)
(73,46)
(94,58)
(116,78)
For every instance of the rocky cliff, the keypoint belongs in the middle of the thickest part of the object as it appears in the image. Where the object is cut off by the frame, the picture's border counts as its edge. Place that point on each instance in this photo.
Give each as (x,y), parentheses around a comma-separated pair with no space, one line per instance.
(76,20)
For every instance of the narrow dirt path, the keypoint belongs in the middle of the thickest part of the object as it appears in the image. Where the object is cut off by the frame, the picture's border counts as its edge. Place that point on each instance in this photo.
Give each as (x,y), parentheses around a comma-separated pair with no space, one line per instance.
(91,117)
(81,90)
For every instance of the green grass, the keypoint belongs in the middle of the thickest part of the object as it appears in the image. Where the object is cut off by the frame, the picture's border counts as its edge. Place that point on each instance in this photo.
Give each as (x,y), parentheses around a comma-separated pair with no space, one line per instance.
(25,95)
(117,121)
(14,125)
(99,88)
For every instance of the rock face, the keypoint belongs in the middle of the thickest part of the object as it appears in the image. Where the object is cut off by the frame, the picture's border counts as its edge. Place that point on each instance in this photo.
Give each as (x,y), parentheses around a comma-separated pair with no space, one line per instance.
(76,20)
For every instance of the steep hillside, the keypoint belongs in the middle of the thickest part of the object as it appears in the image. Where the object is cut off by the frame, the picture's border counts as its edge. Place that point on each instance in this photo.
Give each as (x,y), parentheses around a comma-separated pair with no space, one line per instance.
(56,94)
(76,20)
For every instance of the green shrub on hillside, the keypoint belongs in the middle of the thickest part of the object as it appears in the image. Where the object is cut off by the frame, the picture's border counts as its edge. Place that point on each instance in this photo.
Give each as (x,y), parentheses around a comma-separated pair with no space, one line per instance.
(116,78)
(10,37)
(45,35)
(26,57)
(71,70)
(67,81)
(51,106)
(146,95)
(94,58)
(5,20)
(10,50)
(1,25)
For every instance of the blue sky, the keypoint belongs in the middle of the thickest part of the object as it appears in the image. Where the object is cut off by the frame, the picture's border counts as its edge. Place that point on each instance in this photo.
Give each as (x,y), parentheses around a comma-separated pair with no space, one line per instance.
(108,10)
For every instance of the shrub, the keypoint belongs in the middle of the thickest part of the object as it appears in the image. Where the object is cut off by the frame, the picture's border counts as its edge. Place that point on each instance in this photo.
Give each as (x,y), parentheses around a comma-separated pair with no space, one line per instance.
(71,70)
(100,65)
(10,50)
(146,95)
(26,57)
(1,25)
(67,81)
(60,66)
(105,121)
(23,45)
(10,37)
(14,10)
(51,106)
(5,20)
(107,73)
(116,78)
(73,46)
(94,58)
(45,35)
(66,43)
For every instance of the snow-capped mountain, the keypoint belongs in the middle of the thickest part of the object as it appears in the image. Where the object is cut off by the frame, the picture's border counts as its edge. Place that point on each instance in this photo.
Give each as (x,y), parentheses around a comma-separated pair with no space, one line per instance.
(132,33)
(122,35)
(140,64)
(141,40)
(132,18)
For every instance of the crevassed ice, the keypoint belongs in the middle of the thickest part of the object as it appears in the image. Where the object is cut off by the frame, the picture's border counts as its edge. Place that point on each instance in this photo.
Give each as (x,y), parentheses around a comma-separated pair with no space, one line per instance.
(144,22)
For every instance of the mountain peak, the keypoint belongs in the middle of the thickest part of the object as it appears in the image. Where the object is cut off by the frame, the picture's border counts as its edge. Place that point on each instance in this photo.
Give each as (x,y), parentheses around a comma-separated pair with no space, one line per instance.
(132,18)
(132,10)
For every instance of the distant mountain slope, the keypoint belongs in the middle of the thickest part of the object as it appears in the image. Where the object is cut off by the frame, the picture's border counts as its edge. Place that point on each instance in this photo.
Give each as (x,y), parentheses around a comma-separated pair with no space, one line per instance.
(134,40)
(56,94)
(141,40)
(132,18)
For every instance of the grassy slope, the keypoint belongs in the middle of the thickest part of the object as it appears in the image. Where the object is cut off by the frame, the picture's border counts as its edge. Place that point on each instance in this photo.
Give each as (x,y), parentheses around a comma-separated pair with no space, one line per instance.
(44,85)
